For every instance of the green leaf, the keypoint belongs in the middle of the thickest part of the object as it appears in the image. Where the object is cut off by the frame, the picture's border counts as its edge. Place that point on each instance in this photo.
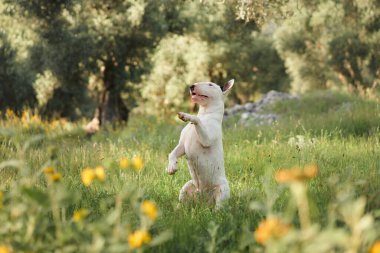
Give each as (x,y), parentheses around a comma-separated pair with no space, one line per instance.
(11,163)
(161,238)
(36,195)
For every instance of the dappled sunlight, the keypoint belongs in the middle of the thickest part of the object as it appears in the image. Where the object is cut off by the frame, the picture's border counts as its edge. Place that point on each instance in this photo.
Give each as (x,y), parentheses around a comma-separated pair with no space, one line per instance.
(29,120)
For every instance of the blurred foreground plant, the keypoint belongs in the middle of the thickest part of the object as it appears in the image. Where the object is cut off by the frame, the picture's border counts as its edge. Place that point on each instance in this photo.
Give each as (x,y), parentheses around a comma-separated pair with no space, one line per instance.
(349,228)
(40,211)
(272,227)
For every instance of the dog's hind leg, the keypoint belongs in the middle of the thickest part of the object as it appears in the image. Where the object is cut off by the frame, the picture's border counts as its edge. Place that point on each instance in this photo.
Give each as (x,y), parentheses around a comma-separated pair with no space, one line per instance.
(221,193)
(187,192)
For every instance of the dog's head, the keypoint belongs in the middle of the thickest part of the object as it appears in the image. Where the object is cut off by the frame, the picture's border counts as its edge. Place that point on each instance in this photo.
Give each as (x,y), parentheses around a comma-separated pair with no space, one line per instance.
(204,93)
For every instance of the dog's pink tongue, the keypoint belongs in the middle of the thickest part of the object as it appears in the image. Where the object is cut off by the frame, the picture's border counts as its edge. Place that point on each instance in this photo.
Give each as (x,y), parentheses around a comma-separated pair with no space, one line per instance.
(194,97)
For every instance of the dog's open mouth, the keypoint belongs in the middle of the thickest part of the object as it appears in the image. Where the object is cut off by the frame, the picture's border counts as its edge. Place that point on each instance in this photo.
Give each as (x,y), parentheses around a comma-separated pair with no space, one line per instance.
(194,95)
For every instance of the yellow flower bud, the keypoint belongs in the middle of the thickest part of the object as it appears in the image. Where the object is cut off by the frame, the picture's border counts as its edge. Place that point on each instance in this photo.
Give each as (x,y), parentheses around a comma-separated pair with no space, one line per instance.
(100,173)
(149,209)
(124,163)
(138,238)
(55,177)
(5,249)
(271,228)
(80,214)
(137,163)
(375,247)
(88,175)
(296,174)
(49,170)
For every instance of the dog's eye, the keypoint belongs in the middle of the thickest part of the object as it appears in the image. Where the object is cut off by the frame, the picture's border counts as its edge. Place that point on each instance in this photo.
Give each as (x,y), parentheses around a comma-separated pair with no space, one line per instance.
(210,84)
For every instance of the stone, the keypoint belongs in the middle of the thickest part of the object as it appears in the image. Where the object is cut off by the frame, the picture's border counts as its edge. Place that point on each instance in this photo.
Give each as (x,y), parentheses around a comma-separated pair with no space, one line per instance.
(253,112)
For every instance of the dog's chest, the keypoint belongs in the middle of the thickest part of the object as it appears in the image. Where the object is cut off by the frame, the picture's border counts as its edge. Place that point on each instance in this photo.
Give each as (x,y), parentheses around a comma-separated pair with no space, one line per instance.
(193,147)
(190,140)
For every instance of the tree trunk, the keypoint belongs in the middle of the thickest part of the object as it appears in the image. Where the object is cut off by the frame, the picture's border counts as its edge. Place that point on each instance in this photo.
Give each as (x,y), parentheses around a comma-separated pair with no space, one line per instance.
(111,108)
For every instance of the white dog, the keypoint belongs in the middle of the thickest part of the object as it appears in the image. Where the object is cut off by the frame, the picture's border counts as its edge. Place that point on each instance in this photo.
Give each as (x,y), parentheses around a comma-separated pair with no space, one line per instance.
(201,142)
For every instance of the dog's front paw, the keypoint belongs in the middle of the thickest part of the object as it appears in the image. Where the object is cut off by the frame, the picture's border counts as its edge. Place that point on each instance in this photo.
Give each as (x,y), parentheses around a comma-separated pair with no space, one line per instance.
(184,116)
(172,168)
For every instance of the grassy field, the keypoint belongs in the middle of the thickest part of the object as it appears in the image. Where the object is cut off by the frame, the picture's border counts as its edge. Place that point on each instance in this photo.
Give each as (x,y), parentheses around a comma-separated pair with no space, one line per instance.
(337,210)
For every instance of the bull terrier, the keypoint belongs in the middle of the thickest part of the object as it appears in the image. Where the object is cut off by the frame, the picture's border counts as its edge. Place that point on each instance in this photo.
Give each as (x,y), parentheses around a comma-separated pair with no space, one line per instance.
(201,143)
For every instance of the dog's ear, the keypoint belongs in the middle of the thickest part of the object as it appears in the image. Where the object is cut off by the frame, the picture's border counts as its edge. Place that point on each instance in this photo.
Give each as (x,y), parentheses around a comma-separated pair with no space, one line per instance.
(227,87)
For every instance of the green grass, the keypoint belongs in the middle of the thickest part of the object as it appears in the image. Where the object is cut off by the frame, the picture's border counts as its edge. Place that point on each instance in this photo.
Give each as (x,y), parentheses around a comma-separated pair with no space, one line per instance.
(341,135)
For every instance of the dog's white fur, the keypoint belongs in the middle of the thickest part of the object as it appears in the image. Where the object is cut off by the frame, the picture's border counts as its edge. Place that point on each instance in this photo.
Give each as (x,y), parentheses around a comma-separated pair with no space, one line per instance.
(201,142)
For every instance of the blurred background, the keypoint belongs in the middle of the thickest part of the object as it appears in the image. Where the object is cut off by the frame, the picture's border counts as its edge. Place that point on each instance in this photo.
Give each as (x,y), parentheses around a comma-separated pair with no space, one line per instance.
(301,127)
(78,59)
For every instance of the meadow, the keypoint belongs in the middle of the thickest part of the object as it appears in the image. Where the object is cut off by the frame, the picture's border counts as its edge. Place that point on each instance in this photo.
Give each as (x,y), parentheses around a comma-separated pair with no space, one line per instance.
(308,183)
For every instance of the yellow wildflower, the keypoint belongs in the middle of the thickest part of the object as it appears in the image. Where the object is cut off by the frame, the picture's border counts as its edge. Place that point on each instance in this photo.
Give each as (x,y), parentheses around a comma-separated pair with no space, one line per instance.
(124,163)
(10,114)
(149,209)
(138,238)
(100,173)
(54,124)
(137,163)
(24,117)
(375,247)
(296,174)
(5,249)
(52,175)
(310,171)
(49,170)
(88,175)
(80,214)
(36,119)
(270,228)
(55,177)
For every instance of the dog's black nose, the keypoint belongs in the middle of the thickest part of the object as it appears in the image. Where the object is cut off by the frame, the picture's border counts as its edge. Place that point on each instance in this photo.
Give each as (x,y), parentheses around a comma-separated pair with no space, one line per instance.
(192,87)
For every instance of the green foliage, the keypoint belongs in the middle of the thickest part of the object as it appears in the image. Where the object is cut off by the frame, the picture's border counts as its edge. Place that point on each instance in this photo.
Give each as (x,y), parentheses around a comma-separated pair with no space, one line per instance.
(329,111)
(178,61)
(347,55)
(43,210)
(259,68)
(94,54)
(348,164)
(79,41)
(327,43)
(260,11)
(71,58)
(215,47)
(239,50)
(15,90)
(44,86)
